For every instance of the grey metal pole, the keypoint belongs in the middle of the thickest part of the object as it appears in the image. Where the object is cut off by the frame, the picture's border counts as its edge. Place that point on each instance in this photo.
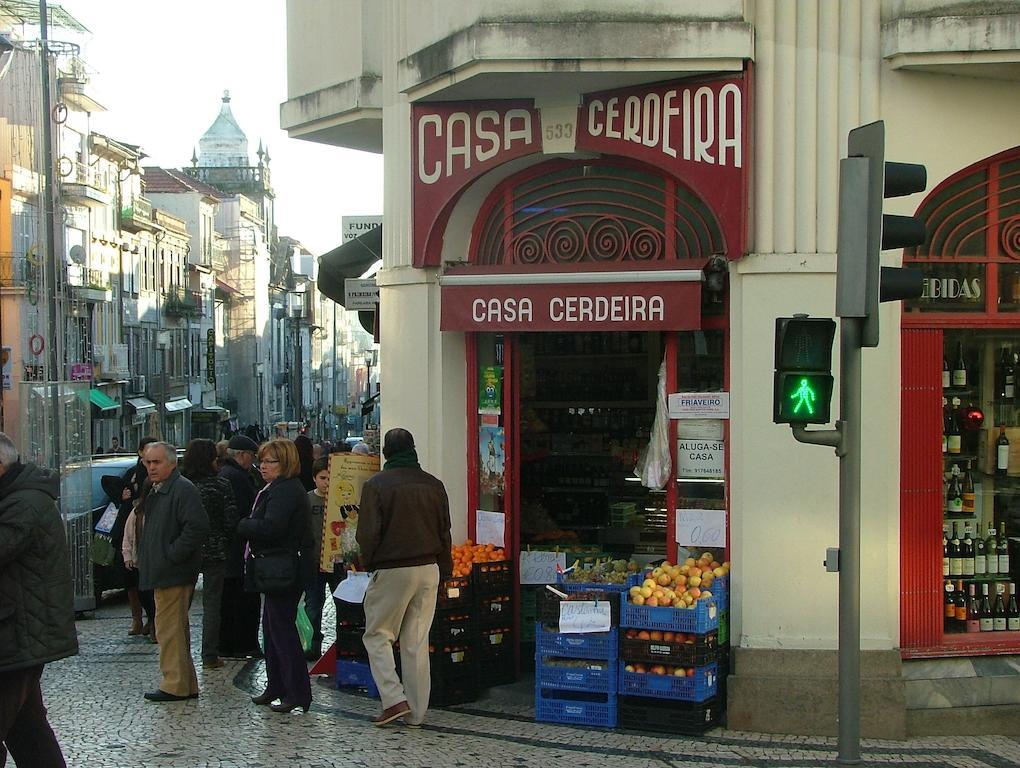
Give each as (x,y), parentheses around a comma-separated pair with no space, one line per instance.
(53,315)
(850,543)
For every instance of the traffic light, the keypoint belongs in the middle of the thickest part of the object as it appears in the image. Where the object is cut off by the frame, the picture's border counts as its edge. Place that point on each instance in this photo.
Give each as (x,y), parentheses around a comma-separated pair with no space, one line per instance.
(865,180)
(802,390)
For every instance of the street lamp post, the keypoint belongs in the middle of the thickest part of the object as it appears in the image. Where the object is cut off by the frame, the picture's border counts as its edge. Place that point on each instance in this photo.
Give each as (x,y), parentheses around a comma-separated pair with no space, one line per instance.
(368,389)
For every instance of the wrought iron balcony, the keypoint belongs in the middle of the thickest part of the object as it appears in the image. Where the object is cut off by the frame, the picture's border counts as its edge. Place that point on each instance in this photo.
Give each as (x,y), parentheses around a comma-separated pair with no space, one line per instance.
(136,215)
(182,303)
(84,184)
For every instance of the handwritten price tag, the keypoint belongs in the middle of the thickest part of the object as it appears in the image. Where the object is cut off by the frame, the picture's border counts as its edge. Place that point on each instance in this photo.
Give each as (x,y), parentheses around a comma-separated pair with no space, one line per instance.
(583,616)
(540,567)
(701,527)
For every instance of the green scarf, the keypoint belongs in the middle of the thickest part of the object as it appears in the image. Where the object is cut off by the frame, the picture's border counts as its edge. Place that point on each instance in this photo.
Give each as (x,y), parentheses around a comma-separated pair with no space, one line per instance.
(408,458)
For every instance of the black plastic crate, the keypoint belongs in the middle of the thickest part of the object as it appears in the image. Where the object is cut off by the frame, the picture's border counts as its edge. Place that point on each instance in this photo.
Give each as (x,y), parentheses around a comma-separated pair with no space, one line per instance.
(662,651)
(496,643)
(497,671)
(448,690)
(493,578)
(456,626)
(494,611)
(454,593)
(350,614)
(667,716)
(548,604)
(349,643)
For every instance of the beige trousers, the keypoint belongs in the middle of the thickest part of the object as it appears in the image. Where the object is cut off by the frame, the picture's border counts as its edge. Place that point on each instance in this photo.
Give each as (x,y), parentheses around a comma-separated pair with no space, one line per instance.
(173,632)
(400,603)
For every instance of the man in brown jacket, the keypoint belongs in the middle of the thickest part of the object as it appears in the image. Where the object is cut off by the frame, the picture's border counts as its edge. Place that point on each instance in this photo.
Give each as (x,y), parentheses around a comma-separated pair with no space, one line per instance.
(404,535)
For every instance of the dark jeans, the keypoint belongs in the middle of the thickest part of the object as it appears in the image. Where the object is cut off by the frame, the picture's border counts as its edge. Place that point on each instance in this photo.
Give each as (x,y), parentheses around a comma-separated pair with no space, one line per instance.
(315,599)
(285,660)
(212,598)
(24,729)
(239,619)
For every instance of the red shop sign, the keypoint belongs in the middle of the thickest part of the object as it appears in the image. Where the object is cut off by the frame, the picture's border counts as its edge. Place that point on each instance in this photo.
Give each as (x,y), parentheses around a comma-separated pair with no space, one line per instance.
(695,130)
(617,306)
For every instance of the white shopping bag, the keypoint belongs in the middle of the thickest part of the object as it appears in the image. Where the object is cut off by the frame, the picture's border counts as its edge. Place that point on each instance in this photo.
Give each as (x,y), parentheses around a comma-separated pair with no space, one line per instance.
(352,589)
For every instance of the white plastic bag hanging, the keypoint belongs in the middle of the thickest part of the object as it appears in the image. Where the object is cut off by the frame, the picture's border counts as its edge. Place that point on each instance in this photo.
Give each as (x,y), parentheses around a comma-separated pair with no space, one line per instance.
(653,465)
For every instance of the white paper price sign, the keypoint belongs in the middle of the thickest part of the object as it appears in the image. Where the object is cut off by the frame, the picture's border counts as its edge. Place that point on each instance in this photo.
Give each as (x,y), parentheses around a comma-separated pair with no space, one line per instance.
(582,616)
(701,527)
(540,567)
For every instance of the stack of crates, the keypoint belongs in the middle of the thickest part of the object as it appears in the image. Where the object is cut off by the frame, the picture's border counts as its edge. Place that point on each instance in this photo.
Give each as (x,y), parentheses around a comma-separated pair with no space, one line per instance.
(453,644)
(352,668)
(669,666)
(492,584)
(576,675)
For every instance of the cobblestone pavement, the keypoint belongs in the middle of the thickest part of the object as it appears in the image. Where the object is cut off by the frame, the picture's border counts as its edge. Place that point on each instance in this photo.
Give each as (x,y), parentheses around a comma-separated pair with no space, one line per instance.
(97,710)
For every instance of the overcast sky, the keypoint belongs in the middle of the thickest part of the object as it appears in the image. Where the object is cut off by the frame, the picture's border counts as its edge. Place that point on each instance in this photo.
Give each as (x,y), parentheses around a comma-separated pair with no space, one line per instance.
(160,69)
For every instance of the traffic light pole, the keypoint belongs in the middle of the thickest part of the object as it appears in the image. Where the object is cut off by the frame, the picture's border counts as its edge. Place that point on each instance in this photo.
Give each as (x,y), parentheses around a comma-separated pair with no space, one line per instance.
(846,439)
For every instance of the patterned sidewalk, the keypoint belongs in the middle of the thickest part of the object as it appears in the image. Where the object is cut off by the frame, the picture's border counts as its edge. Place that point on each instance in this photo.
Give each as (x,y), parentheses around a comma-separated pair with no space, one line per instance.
(97,710)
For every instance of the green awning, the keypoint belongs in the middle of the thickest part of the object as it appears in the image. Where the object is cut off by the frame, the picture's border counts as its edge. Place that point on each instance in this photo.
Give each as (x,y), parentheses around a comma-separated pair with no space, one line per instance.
(102,401)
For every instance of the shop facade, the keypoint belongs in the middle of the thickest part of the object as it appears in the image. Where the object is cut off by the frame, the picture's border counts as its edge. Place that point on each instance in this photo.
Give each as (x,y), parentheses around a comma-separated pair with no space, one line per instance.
(558,234)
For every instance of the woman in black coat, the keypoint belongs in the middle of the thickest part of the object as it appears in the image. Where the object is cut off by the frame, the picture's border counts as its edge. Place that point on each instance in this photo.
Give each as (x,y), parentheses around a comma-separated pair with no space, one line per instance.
(279,525)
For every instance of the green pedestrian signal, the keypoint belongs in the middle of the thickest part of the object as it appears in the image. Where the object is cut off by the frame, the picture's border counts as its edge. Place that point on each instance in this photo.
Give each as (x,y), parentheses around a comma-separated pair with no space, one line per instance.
(802,391)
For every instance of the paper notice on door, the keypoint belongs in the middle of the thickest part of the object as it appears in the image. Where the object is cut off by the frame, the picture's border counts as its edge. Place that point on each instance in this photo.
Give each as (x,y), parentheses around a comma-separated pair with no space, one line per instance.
(490,528)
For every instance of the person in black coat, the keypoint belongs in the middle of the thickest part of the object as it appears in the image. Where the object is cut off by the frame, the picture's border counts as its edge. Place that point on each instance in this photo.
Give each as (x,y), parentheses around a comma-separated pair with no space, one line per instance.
(36,606)
(240,609)
(279,524)
(128,492)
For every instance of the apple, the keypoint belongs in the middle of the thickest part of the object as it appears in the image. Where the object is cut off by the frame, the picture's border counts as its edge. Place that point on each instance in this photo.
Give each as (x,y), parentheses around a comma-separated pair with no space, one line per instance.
(646,592)
(655,636)
(658,669)
(652,601)
(668,637)
(656,573)
(694,581)
(637,600)
(679,672)
(629,668)
(643,635)
(635,591)
(650,583)
(718,571)
(663,579)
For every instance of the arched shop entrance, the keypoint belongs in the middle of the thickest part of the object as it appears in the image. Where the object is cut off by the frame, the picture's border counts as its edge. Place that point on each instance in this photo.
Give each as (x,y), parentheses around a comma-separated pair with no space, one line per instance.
(584,287)
(960,367)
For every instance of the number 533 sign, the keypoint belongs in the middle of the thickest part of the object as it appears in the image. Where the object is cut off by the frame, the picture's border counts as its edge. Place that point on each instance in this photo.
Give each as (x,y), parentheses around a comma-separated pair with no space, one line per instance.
(701,527)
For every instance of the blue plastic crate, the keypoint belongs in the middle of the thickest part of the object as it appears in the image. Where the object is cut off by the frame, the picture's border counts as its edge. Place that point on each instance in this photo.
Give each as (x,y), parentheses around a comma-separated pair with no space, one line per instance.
(355,674)
(599,676)
(598,645)
(700,687)
(573,708)
(703,617)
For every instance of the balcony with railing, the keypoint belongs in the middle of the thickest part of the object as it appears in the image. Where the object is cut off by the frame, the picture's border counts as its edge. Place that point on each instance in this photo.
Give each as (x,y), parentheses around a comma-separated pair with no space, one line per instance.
(84,184)
(182,303)
(136,215)
(92,285)
(18,270)
(73,80)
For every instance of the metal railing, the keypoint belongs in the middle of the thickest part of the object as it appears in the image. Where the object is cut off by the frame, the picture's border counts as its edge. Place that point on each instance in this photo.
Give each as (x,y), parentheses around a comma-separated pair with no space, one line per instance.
(182,303)
(81,173)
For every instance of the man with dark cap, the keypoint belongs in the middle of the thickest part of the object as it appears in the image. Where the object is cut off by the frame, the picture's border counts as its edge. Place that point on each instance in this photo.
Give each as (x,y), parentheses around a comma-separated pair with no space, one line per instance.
(404,535)
(36,605)
(240,610)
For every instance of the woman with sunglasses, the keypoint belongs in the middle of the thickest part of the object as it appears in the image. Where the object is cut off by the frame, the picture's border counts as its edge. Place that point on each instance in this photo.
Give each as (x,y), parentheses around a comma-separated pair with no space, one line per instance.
(278,528)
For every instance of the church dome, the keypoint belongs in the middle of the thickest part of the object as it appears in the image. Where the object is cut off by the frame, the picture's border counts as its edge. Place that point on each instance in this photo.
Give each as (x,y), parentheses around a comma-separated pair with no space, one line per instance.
(224,144)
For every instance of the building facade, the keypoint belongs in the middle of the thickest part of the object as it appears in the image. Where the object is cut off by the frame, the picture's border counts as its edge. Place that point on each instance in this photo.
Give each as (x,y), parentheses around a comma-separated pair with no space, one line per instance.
(577,195)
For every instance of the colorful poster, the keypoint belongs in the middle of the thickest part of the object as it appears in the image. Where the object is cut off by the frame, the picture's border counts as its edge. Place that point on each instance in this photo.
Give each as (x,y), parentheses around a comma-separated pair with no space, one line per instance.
(347,474)
(491,459)
(490,389)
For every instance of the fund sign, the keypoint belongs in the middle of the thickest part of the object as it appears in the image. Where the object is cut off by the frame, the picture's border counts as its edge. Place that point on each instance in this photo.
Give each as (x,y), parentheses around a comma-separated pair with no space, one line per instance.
(802,386)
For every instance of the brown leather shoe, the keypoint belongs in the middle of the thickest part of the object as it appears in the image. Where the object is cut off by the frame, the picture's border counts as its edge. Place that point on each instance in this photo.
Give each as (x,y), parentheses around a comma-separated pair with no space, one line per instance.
(390,714)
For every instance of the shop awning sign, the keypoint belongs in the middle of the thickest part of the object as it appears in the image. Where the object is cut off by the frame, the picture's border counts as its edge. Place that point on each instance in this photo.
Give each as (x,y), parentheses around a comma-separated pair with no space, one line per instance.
(700,459)
(699,405)
(663,301)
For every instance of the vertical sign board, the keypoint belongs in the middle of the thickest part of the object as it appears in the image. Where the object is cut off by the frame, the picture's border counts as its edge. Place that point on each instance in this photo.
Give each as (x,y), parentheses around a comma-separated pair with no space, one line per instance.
(347,474)
(210,356)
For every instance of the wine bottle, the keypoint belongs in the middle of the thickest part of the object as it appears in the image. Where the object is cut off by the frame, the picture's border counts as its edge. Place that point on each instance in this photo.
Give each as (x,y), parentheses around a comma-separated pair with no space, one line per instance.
(960,608)
(945,426)
(999,610)
(980,560)
(958,376)
(985,611)
(945,552)
(992,551)
(1003,550)
(1012,611)
(968,496)
(967,553)
(953,434)
(954,504)
(955,556)
(1002,453)
(946,375)
(973,610)
(949,607)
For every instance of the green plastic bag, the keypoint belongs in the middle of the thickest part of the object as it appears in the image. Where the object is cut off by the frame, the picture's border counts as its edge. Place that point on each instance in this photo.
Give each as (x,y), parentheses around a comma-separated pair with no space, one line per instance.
(101,550)
(304,627)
